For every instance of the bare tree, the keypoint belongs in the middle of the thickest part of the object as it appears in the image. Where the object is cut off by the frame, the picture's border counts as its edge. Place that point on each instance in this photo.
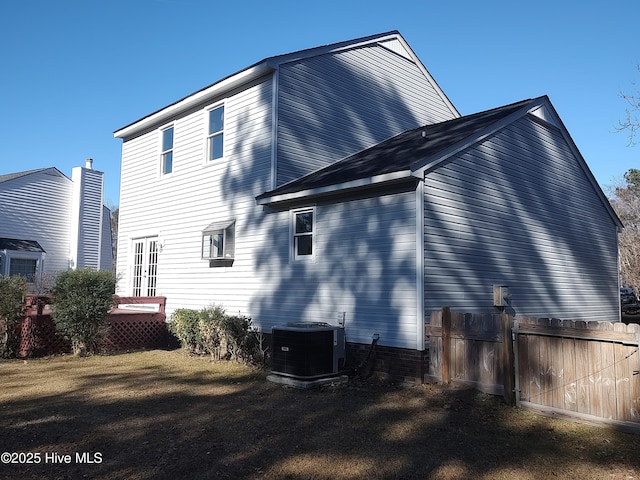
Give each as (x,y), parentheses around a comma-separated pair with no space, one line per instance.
(625,200)
(631,123)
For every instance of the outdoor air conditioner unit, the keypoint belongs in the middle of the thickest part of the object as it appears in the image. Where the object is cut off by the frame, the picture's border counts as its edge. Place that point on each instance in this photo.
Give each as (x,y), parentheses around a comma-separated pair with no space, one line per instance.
(307,350)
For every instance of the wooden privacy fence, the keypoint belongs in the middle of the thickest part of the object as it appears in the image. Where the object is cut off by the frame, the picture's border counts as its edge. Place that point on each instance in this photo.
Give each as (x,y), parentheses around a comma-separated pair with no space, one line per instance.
(578,370)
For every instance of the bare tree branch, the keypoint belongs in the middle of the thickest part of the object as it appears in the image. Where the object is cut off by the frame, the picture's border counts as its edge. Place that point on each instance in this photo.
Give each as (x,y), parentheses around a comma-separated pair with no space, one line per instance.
(631,123)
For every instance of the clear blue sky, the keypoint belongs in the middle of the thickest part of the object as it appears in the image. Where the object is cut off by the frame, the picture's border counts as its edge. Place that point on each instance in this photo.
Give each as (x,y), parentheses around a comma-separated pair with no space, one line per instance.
(74,71)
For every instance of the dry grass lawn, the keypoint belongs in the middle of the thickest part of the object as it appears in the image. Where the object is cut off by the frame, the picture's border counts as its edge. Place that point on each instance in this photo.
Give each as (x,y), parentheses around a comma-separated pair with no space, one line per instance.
(162,414)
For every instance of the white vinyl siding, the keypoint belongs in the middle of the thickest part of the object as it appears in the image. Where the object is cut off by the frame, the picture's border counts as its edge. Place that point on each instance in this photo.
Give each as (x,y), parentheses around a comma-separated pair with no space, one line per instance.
(86,231)
(518,210)
(334,105)
(365,267)
(177,209)
(37,207)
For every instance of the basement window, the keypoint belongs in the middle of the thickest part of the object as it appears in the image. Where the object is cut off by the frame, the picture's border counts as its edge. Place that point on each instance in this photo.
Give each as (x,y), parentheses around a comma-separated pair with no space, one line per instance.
(218,243)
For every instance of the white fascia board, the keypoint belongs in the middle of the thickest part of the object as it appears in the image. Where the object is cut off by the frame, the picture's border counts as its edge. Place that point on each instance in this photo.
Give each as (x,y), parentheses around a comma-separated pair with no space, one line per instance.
(201,96)
(312,192)
(332,48)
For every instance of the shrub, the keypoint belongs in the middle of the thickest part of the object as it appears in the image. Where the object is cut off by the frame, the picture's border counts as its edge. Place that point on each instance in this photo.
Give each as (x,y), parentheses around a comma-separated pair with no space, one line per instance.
(185,324)
(82,300)
(210,324)
(12,292)
(239,340)
(211,331)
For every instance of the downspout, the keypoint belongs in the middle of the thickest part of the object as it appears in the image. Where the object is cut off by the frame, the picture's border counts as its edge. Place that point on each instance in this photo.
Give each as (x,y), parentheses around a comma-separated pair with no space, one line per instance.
(420,326)
(274,129)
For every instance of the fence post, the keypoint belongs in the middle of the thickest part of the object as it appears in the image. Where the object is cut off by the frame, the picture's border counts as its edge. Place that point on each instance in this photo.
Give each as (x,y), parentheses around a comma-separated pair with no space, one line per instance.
(508,364)
(446,344)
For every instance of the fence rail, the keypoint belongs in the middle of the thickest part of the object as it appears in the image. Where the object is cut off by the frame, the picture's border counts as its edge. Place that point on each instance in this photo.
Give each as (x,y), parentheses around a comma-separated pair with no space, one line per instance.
(129,329)
(586,371)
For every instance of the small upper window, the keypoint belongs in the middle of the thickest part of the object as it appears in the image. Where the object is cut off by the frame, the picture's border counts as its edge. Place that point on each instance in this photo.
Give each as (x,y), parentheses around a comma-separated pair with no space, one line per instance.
(215,136)
(167,150)
(303,225)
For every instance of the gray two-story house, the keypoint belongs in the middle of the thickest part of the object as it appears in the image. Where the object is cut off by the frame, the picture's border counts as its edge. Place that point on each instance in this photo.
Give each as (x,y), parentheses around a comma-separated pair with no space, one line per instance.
(339,184)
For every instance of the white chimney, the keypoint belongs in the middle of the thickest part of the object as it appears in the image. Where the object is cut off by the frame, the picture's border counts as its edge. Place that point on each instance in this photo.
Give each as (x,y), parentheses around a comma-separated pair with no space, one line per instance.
(88,163)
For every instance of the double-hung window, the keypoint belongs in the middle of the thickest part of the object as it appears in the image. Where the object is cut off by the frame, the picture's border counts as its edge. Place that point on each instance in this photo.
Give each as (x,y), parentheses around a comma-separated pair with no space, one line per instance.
(215,133)
(218,243)
(303,226)
(166,158)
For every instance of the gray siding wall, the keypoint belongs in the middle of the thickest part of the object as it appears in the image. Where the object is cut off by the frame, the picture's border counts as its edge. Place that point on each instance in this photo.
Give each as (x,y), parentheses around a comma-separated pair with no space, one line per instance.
(38,207)
(334,105)
(365,266)
(518,210)
(88,195)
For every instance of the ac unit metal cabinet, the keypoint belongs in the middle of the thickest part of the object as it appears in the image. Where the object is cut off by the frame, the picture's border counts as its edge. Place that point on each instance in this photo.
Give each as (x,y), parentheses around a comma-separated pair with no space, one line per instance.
(307,350)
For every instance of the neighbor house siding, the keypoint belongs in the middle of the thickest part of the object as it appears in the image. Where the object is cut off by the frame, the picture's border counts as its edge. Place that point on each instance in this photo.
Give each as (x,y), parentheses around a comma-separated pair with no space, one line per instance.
(86,231)
(178,207)
(37,206)
(333,105)
(518,210)
(364,266)
(106,245)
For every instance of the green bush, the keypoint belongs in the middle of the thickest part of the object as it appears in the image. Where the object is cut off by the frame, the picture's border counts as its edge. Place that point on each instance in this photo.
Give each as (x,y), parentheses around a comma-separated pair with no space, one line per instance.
(211,331)
(210,323)
(185,325)
(12,292)
(82,300)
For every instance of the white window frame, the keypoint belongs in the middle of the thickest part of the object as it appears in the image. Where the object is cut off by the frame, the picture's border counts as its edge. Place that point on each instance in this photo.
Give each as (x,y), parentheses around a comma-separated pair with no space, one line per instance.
(293,235)
(164,152)
(209,136)
(227,230)
(9,256)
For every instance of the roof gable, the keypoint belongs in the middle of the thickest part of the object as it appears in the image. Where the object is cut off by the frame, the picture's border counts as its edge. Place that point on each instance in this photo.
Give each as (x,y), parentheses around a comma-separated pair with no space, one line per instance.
(402,153)
(391,40)
(49,171)
(412,153)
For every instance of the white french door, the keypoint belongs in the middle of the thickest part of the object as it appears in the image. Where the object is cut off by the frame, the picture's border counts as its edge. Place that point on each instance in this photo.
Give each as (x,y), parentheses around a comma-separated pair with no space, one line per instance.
(145,267)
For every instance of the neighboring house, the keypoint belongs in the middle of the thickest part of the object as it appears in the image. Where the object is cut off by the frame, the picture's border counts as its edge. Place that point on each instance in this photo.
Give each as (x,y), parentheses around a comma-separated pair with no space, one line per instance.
(51,223)
(339,184)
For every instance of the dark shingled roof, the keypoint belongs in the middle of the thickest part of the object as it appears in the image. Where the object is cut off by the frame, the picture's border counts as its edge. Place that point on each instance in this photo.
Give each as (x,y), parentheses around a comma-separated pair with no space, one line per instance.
(11,176)
(20,245)
(399,152)
(49,170)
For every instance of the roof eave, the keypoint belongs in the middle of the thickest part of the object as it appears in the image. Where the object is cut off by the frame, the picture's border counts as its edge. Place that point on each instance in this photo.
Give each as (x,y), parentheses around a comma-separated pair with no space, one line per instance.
(419,168)
(362,183)
(219,88)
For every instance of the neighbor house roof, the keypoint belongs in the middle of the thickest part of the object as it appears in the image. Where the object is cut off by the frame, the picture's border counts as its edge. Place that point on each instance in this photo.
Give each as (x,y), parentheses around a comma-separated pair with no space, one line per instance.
(20,245)
(13,176)
(396,157)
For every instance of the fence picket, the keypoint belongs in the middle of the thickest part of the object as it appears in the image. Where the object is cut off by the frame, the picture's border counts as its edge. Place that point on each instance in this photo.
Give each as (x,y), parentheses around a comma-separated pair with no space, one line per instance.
(585,371)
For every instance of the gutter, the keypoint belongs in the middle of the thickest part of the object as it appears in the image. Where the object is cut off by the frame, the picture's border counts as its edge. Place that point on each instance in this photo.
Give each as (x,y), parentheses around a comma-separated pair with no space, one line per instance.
(207,93)
(362,183)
